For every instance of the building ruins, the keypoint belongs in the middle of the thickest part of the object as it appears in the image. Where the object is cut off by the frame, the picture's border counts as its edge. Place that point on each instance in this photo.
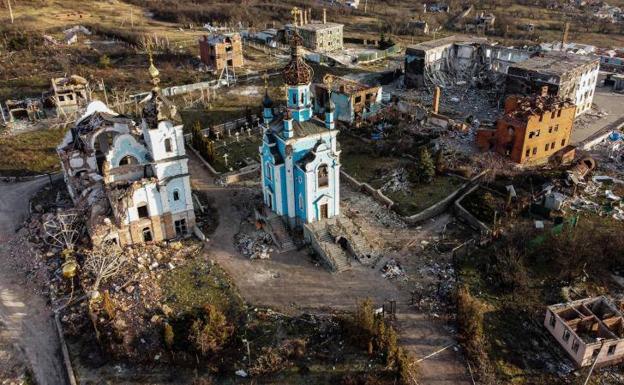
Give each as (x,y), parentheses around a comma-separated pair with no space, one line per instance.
(218,52)
(132,181)
(353,101)
(567,75)
(532,129)
(69,94)
(589,330)
(457,58)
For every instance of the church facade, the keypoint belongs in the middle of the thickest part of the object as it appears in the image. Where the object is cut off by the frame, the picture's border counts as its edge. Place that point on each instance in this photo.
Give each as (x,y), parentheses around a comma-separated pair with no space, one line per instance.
(300,153)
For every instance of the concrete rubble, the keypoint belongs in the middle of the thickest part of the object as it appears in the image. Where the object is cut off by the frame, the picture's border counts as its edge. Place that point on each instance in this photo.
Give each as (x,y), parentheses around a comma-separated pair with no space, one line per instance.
(393,270)
(254,245)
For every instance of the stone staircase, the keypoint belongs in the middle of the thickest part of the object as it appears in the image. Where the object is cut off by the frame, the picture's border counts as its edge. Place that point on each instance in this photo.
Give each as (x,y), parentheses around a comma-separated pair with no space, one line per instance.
(359,245)
(280,234)
(334,253)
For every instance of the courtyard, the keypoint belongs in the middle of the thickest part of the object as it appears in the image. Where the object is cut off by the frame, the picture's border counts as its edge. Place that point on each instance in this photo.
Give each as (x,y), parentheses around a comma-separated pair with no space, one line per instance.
(389,173)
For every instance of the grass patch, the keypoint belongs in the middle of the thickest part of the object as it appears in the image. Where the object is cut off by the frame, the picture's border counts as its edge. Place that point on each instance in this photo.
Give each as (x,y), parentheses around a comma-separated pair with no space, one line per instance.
(188,288)
(422,196)
(30,153)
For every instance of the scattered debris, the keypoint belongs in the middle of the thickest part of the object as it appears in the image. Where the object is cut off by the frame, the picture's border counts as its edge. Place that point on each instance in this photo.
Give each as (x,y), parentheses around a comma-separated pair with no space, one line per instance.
(393,270)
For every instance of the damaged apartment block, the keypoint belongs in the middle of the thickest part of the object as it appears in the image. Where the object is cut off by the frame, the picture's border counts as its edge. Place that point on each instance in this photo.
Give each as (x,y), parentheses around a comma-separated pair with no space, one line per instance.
(568,76)
(132,182)
(532,129)
(590,330)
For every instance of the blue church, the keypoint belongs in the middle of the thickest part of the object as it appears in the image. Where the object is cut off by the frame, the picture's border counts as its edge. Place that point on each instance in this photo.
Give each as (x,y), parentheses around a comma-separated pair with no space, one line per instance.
(300,154)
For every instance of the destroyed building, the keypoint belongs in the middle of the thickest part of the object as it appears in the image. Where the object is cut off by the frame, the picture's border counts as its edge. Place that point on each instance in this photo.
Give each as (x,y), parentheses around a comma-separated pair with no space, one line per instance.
(481,24)
(457,57)
(69,94)
(220,51)
(25,109)
(132,181)
(353,101)
(318,36)
(299,152)
(589,330)
(532,129)
(567,75)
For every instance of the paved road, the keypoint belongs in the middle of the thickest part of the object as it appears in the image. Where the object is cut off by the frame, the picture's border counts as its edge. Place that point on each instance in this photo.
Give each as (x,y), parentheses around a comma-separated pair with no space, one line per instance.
(292,283)
(14,204)
(608,101)
(27,319)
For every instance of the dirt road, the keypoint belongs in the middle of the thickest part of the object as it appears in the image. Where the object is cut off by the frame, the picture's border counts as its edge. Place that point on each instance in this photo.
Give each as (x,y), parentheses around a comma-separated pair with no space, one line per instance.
(27,321)
(292,283)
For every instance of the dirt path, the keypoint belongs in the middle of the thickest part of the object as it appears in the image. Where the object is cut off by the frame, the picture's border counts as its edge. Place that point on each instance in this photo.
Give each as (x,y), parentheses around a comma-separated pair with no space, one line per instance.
(26,318)
(292,283)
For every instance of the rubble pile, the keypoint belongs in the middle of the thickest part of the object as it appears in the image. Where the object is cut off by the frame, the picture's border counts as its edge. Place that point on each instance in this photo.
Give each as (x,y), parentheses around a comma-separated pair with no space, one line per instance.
(435,288)
(393,270)
(396,181)
(255,245)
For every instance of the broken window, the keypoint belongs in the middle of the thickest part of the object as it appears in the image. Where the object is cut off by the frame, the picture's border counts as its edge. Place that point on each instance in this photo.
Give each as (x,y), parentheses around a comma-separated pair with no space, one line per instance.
(534,150)
(611,350)
(147,235)
(559,113)
(546,147)
(323,176)
(176,195)
(553,320)
(556,127)
(575,346)
(595,352)
(142,211)
(552,145)
(566,335)
(180,227)
(302,98)
(550,129)
(552,116)
(168,145)
(541,117)
(562,142)
(358,99)
(528,152)
(294,98)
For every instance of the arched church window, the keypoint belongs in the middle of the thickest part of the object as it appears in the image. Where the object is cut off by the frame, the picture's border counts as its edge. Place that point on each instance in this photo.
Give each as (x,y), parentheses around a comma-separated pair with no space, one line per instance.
(147,234)
(128,159)
(176,195)
(323,176)
(168,145)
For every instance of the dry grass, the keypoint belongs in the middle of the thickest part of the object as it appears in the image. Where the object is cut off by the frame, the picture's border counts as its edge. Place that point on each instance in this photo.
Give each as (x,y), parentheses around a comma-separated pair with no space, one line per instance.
(31,152)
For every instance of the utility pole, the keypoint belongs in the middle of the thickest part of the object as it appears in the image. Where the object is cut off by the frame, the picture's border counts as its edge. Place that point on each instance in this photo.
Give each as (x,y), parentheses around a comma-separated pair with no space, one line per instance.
(594,364)
(10,10)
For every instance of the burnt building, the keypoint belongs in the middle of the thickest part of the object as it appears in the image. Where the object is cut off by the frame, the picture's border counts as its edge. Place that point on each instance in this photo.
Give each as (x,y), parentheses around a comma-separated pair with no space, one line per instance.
(220,51)
(532,129)
(566,75)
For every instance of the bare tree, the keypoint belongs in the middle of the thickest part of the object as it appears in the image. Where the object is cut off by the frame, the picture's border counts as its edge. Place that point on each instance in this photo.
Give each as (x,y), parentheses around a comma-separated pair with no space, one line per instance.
(64,228)
(103,262)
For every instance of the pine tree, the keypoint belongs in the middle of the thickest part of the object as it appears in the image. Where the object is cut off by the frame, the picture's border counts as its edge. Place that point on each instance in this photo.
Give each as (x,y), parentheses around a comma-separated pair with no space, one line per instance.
(425,168)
